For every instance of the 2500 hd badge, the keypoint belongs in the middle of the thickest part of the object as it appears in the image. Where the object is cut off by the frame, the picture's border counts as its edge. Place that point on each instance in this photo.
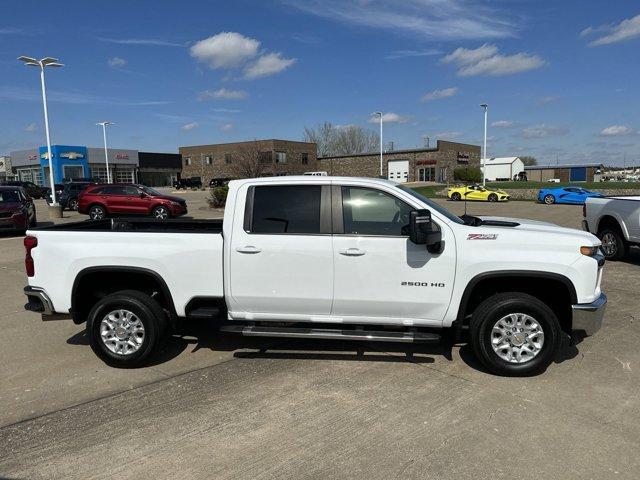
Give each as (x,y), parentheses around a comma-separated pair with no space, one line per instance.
(422,284)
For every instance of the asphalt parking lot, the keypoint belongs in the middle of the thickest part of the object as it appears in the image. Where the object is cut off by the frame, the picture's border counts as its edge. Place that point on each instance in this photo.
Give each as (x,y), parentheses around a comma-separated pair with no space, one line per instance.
(218,406)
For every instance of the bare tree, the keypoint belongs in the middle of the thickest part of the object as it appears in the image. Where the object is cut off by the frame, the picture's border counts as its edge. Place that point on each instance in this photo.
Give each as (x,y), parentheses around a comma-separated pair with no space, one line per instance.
(251,160)
(527,160)
(323,136)
(349,140)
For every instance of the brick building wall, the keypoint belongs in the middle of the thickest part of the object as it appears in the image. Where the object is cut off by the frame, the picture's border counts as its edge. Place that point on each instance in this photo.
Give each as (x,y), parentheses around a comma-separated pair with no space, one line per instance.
(217,160)
(444,158)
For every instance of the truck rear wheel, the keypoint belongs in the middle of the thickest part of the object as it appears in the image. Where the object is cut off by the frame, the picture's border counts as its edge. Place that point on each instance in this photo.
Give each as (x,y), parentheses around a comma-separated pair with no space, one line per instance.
(127,328)
(515,334)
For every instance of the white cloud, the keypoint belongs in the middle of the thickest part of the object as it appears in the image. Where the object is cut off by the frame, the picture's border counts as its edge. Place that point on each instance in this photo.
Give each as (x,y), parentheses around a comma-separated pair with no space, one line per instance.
(438,94)
(625,30)
(117,62)
(396,54)
(267,65)
(32,127)
(74,98)
(487,60)
(448,134)
(542,101)
(617,131)
(431,19)
(543,131)
(189,126)
(222,93)
(388,118)
(502,124)
(225,50)
(227,127)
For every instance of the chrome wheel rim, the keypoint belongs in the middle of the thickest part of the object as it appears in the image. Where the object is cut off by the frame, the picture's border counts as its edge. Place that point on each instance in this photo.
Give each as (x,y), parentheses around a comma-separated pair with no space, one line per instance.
(161,213)
(73,205)
(122,332)
(609,244)
(548,199)
(517,338)
(97,213)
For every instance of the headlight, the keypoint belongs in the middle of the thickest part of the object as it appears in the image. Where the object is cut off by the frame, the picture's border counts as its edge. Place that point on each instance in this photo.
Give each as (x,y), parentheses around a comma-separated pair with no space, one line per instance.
(176,204)
(588,251)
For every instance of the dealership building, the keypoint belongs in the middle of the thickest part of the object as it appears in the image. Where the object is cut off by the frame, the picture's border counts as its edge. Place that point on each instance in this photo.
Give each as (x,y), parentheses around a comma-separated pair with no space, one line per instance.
(75,161)
(586,172)
(415,165)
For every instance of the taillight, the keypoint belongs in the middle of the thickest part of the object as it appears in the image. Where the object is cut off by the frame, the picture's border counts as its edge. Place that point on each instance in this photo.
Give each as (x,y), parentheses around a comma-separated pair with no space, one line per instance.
(29,244)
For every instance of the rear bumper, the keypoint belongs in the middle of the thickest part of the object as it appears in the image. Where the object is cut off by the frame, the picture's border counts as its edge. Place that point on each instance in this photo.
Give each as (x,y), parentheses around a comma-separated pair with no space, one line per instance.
(38,301)
(587,317)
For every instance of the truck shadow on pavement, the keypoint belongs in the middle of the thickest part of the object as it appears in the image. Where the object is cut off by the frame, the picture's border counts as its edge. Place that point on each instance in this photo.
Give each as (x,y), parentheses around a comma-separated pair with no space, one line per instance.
(194,335)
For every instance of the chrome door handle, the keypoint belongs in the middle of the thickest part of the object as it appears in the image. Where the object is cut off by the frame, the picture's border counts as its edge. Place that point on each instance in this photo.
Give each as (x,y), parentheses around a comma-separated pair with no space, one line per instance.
(352,252)
(248,249)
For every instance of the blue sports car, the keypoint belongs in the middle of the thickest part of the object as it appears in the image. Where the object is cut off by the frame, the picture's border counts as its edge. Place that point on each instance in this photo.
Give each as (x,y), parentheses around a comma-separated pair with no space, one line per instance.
(570,195)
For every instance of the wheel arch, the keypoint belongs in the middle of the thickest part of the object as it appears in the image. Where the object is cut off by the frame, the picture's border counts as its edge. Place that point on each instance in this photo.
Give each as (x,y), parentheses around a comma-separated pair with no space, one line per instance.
(555,289)
(96,282)
(610,221)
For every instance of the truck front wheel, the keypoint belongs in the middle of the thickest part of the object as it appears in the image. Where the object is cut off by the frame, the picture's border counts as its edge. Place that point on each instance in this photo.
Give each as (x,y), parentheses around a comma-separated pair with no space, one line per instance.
(515,334)
(127,328)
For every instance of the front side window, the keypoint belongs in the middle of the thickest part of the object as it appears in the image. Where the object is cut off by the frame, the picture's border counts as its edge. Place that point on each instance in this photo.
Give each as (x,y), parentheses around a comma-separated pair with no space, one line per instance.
(132,191)
(286,209)
(367,211)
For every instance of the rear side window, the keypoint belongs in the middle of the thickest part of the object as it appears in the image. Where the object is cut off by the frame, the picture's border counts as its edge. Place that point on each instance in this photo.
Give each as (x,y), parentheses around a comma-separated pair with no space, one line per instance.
(286,209)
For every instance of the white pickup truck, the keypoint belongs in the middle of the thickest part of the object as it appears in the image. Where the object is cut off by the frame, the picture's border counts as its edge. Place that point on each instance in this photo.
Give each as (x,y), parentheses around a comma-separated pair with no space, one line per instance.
(323,257)
(616,221)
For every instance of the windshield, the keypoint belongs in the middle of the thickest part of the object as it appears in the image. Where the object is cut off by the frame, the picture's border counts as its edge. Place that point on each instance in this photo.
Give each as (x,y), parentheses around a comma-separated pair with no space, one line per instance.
(150,191)
(431,204)
(9,196)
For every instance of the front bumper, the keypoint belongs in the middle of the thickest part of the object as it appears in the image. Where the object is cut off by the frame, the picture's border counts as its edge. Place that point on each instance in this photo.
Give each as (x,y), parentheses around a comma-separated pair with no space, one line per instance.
(38,301)
(587,317)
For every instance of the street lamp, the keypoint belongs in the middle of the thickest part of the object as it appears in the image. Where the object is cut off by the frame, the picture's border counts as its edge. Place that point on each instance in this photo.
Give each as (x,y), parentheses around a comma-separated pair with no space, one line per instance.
(380,115)
(106,156)
(45,62)
(484,155)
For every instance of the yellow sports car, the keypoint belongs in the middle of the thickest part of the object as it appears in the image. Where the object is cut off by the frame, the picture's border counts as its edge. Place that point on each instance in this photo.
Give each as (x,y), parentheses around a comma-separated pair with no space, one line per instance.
(477,192)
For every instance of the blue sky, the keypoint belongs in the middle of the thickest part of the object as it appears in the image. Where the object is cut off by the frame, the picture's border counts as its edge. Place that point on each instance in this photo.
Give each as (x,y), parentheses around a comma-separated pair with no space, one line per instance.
(560,77)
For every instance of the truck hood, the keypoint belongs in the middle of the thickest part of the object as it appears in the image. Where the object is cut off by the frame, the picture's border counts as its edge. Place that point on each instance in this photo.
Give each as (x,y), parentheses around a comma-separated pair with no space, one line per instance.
(547,228)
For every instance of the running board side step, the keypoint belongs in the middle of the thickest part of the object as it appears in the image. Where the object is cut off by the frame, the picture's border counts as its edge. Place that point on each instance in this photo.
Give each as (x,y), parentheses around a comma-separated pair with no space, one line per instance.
(332,334)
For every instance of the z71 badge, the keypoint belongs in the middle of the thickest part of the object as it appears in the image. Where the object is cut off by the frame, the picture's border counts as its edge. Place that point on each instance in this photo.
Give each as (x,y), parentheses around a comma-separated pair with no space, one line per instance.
(482,236)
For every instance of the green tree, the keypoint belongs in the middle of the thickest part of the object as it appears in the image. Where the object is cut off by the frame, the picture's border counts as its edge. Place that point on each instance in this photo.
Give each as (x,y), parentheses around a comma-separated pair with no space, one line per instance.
(467,174)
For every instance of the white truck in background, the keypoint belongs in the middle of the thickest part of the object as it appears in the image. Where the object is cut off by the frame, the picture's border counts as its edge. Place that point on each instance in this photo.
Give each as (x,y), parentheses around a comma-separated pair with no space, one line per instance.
(615,221)
(323,257)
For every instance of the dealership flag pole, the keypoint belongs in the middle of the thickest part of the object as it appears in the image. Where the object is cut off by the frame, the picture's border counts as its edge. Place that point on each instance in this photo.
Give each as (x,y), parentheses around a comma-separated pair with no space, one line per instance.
(45,62)
(484,154)
(106,154)
(380,115)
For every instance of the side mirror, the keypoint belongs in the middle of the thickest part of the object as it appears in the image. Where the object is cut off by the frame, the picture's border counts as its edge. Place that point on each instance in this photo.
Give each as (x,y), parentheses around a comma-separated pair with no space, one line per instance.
(422,231)
(143,195)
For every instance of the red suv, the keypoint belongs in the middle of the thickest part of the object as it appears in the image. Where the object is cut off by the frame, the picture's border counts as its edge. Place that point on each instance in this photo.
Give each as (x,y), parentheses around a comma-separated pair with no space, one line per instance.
(100,201)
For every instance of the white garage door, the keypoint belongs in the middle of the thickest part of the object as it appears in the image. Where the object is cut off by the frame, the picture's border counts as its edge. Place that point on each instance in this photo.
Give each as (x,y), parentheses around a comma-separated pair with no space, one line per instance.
(399,170)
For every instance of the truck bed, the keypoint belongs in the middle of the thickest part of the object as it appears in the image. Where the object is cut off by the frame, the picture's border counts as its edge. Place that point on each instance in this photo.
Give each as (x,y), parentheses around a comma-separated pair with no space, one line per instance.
(185,254)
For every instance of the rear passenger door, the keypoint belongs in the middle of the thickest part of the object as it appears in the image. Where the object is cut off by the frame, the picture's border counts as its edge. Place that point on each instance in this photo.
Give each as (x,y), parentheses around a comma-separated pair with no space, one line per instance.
(281,255)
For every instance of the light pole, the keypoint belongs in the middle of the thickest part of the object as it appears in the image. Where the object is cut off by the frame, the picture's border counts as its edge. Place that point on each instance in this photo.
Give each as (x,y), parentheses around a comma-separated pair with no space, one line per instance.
(106,155)
(45,62)
(380,115)
(484,144)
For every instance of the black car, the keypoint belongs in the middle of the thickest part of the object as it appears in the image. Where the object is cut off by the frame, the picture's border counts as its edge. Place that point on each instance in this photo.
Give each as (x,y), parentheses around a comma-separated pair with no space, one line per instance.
(69,196)
(219,182)
(33,190)
(189,182)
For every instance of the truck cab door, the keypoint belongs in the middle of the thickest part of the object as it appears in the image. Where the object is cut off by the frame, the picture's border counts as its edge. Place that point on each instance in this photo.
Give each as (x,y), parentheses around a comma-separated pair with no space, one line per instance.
(280,254)
(380,275)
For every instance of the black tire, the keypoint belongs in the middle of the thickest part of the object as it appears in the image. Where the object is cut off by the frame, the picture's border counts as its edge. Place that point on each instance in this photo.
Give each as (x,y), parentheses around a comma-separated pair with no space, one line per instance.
(161,212)
(455,196)
(97,212)
(154,319)
(500,305)
(614,246)
(72,204)
(549,199)
(493,197)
